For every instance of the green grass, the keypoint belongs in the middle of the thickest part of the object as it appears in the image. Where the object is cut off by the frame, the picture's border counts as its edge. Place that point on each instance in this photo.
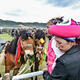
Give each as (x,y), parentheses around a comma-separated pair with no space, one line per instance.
(6,37)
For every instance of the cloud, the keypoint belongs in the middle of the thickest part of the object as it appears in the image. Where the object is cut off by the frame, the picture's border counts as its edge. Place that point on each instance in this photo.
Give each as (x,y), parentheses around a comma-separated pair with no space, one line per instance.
(38,10)
(63,3)
(76,6)
(16,13)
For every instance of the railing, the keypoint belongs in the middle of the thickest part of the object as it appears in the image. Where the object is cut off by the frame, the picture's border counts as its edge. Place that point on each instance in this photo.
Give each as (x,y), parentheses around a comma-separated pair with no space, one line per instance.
(24,76)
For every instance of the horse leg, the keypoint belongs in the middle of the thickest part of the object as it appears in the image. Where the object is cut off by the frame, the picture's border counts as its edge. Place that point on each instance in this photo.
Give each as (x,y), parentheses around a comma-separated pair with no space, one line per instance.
(31,71)
(7,69)
(36,68)
(9,62)
(16,68)
(15,71)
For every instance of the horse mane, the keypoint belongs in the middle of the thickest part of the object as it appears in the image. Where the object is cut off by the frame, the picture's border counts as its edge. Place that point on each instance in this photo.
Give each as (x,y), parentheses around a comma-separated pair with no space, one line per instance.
(25,34)
(39,34)
(11,48)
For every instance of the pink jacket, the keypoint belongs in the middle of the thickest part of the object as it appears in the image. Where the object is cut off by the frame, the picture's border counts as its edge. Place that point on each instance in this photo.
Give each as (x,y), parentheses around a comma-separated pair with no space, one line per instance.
(50,57)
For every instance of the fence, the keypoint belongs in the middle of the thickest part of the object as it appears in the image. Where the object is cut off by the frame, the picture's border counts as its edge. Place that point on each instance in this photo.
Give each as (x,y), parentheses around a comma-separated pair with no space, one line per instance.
(24,76)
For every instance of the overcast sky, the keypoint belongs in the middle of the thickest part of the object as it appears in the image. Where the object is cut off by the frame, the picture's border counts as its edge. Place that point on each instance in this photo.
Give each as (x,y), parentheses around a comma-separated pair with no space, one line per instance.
(38,10)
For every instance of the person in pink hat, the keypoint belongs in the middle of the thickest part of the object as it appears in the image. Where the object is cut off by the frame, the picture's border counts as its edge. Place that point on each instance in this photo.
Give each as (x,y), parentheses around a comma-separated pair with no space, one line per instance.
(68,41)
(52,51)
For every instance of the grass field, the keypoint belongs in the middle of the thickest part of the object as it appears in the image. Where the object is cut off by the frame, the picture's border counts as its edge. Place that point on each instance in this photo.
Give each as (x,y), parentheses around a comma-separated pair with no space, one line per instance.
(6,36)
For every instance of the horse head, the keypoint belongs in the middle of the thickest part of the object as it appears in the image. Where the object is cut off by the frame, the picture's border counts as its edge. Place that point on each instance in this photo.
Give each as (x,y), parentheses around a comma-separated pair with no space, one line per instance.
(27,44)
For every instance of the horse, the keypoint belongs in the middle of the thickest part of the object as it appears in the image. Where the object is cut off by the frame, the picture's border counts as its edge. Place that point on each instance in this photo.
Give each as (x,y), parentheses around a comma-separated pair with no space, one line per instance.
(15,52)
(40,40)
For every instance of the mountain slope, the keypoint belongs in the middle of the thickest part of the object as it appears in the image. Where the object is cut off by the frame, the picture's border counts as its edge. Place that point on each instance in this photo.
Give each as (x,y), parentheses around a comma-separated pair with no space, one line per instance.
(8,23)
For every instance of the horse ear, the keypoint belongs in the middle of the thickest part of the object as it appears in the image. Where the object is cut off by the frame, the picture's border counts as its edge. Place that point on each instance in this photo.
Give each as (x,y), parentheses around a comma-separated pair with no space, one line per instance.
(73,22)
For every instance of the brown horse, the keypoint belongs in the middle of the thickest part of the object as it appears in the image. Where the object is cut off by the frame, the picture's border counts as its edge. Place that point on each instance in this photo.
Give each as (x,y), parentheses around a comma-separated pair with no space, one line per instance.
(39,48)
(27,44)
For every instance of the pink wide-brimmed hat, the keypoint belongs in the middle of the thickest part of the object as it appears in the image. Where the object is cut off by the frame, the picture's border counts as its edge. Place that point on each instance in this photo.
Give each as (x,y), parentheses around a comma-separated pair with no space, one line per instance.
(65,30)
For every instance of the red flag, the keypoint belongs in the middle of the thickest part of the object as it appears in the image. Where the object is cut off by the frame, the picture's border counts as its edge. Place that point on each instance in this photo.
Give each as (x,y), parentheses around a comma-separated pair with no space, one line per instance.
(18,50)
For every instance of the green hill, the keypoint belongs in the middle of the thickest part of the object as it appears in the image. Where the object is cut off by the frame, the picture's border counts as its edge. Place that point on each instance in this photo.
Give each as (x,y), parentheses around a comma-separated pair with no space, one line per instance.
(8,23)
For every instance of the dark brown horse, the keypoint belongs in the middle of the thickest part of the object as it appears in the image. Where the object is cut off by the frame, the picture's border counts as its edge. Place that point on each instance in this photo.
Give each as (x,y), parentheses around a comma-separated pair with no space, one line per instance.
(26,43)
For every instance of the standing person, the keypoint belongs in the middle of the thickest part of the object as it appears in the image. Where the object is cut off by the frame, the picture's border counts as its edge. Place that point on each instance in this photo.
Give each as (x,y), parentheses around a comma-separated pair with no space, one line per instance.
(52,51)
(68,65)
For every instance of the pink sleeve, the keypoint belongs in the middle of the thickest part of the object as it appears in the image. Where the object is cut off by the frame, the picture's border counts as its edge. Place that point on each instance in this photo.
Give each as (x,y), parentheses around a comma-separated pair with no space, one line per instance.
(50,57)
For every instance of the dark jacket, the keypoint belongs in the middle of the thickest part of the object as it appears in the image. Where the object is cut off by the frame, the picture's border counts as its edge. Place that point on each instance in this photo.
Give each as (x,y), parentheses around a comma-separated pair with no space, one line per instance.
(67,66)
